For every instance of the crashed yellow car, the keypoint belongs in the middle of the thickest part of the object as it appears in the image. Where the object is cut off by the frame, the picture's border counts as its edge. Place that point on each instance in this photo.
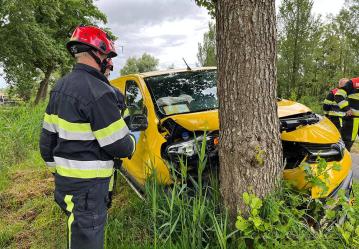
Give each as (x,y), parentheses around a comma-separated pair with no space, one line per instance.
(171,110)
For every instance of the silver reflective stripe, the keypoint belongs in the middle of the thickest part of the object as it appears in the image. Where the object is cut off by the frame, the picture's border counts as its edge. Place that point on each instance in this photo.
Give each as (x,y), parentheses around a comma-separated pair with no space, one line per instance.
(84,165)
(69,135)
(334,113)
(49,127)
(342,102)
(51,164)
(114,137)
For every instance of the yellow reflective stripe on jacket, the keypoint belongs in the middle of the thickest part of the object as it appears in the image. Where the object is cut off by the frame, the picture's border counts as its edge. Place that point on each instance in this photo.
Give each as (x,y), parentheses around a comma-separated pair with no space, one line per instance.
(66,125)
(355,112)
(354,96)
(343,103)
(83,173)
(126,113)
(341,92)
(109,130)
(83,169)
(337,114)
(329,102)
(112,133)
(68,130)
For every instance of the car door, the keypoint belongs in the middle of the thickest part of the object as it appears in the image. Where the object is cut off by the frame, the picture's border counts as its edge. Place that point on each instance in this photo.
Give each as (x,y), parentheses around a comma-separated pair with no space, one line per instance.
(135,105)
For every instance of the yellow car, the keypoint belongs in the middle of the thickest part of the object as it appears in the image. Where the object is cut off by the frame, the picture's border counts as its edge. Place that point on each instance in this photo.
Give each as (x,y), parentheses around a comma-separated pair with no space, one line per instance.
(170,110)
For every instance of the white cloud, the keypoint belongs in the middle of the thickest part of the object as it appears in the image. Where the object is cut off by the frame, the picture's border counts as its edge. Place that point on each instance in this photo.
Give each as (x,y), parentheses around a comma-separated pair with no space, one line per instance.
(167,29)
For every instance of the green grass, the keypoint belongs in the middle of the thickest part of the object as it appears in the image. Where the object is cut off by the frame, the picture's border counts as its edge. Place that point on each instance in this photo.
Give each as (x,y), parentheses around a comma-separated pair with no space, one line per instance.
(178,219)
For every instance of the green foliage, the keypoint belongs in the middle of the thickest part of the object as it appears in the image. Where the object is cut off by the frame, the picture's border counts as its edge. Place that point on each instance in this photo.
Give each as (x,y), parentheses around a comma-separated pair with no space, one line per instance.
(188,214)
(210,5)
(313,55)
(207,51)
(19,132)
(33,35)
(298,36)
(145,63)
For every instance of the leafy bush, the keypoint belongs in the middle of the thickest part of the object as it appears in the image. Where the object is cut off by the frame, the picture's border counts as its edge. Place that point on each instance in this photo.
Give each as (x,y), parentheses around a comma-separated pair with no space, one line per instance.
(183,218)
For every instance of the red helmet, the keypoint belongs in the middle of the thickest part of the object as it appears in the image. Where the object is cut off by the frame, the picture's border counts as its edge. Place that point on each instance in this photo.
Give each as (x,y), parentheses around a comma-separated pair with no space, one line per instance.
(93,37)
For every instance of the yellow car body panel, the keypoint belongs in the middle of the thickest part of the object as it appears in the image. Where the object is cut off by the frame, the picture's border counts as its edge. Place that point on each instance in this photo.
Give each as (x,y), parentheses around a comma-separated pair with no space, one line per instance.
(297,175)
(199,121)
(148,150)
(287,108)
(323,132)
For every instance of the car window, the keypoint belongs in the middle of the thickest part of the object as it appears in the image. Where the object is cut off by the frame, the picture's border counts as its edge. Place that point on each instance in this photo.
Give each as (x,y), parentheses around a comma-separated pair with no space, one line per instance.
(184,92)
(134,98)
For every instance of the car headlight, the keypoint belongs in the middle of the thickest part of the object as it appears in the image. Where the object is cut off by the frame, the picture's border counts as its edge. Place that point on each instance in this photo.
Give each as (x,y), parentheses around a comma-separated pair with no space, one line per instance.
(187,148)
(320,117)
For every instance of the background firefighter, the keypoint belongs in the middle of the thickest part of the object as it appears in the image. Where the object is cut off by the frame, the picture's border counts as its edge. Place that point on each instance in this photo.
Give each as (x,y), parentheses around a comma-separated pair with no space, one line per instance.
(347,99)
(83,132)
(331,108)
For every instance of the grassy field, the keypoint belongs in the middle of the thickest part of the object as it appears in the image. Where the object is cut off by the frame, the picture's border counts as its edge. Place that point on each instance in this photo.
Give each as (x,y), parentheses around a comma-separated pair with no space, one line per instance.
(31,219)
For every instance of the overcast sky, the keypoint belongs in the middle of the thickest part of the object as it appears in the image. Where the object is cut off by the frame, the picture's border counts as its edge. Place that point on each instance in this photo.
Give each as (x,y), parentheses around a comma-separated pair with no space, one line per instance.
(167,29)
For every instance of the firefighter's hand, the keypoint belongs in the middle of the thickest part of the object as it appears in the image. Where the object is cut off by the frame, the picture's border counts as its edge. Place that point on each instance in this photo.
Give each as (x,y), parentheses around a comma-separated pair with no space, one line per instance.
(349,113)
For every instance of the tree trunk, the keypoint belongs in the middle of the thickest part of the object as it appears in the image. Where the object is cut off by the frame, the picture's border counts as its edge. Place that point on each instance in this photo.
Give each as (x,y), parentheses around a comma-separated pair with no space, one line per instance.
(250,148)
(44,84)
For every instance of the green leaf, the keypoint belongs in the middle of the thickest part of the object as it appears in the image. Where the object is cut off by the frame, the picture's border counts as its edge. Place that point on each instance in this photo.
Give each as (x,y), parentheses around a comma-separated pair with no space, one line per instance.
(330,214)
(337,167)
(357,231)
(256,203)
(242,224)
(257,221)
(246,198)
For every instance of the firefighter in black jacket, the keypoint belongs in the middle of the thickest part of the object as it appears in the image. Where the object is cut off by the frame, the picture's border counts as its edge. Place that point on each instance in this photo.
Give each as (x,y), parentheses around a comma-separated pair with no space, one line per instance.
(347,98)
(83,132)
(331,108)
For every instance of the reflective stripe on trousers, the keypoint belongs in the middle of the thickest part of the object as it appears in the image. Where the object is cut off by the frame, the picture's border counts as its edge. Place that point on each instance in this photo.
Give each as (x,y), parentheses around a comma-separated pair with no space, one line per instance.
(71,218)
(86,210)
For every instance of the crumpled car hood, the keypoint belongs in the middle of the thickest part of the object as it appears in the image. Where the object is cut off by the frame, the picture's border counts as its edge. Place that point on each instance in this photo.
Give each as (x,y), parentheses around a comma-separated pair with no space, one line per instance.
(289,108)
(323,132)
(209,120)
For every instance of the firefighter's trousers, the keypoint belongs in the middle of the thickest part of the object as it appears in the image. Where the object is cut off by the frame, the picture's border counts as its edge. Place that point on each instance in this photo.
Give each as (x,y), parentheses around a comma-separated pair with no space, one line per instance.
(86,210)
(336,120)
(349,131)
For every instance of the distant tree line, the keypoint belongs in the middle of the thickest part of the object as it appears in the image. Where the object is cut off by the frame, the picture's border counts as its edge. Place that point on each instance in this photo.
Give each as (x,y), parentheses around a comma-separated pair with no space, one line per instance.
(33,35)
(145,63)
(314,52)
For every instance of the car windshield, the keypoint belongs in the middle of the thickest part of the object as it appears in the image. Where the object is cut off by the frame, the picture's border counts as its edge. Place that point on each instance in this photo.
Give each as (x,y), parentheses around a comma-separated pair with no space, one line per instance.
(184,92)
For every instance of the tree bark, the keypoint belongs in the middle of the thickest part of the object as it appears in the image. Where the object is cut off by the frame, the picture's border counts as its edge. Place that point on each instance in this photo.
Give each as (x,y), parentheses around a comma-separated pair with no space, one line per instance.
(44,84)
(250,147)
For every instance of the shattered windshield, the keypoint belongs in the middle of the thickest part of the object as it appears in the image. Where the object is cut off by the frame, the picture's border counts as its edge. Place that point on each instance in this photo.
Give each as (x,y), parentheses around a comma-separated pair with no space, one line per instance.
(184,92)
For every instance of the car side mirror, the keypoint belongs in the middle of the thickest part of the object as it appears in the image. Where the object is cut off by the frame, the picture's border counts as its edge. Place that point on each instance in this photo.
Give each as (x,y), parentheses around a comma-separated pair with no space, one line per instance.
(137,122)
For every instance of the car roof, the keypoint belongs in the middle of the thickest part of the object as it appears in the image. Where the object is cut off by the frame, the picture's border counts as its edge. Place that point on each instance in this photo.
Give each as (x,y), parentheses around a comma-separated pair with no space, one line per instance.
(171,71)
